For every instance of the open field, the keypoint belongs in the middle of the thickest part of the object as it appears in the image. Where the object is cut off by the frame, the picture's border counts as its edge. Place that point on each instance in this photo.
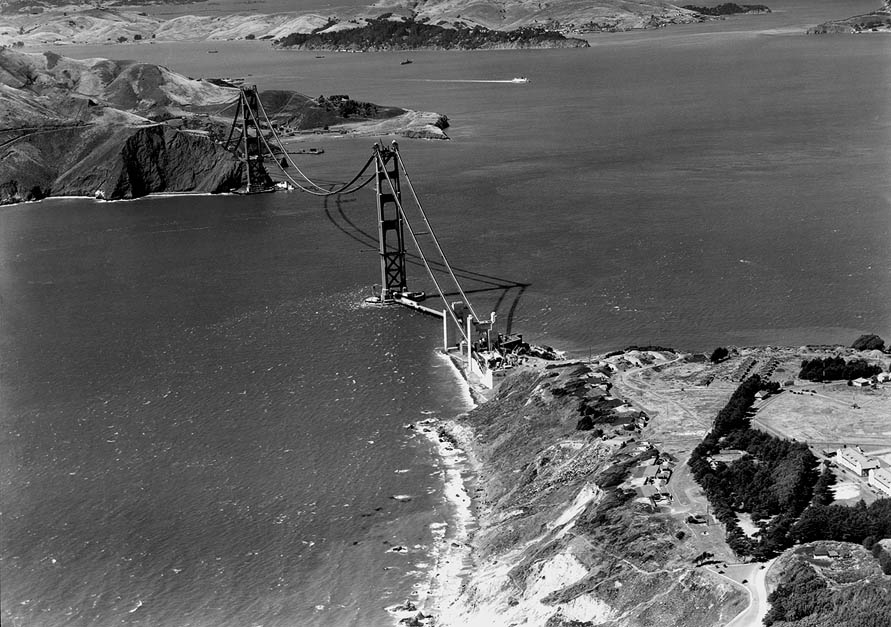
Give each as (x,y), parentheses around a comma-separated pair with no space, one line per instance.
(829,415)
(683,394)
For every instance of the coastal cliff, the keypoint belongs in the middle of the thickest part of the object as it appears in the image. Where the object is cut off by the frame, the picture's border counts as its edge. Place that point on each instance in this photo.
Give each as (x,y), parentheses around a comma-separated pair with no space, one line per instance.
(114,163)
(121,129)
(563,540)
(96,128)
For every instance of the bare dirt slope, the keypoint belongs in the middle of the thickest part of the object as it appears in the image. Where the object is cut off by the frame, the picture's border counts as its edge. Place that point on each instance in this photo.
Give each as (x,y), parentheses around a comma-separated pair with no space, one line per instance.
(562,539)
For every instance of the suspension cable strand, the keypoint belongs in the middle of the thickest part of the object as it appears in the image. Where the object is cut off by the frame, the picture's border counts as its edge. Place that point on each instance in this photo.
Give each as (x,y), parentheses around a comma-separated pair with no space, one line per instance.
(219,111)
(418,245)
(282,148)
(433,236)
(344,189)
(234,122)
(325,192)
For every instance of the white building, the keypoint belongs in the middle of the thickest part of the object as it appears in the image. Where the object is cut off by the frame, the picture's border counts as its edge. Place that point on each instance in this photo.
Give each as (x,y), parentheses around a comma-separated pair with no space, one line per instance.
(855,460)
(880,479)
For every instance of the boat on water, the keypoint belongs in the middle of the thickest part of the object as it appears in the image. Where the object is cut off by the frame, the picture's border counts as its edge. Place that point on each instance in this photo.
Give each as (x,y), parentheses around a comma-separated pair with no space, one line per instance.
(405,62)
(519,79)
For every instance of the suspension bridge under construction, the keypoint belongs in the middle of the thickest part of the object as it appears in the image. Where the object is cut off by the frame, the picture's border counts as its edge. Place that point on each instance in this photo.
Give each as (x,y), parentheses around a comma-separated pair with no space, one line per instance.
(253,138)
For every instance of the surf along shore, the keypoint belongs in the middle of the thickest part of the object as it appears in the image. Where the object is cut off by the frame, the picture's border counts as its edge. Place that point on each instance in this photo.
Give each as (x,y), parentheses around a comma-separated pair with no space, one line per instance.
(557,521)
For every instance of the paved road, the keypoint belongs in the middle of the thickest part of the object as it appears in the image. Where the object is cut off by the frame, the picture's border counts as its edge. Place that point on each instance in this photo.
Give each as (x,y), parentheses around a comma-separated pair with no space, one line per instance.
(756,586)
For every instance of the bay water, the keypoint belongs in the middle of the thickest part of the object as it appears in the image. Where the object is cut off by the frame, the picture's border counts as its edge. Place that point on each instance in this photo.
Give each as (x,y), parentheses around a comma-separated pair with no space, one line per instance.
(203,425)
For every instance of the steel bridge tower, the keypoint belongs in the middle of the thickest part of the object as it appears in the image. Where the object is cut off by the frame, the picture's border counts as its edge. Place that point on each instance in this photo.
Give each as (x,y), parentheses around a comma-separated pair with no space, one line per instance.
(250,143)
(390,222)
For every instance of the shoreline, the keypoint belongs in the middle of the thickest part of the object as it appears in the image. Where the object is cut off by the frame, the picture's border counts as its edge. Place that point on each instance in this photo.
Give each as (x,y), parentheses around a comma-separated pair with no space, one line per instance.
(455,556)
(452,552)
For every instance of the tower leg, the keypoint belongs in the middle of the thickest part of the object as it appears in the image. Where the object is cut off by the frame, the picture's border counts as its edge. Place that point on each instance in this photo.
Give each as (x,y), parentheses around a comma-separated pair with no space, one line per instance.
(390,223)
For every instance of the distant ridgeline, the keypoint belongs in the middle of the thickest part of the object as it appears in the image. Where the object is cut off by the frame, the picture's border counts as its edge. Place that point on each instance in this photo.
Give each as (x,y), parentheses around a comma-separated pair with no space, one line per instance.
(778,483)
(383,33)
(728,8)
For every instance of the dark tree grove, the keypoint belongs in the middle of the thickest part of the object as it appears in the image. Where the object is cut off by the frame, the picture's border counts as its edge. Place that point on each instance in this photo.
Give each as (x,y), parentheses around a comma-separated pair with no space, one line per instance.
(778,482)
(836,369)
(728,8)
(868,342)
(806,596)
(409,34)
(718,354)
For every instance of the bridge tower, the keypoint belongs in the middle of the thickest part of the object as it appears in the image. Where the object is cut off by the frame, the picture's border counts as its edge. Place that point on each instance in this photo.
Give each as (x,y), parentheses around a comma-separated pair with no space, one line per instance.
(390,222)
(249,145)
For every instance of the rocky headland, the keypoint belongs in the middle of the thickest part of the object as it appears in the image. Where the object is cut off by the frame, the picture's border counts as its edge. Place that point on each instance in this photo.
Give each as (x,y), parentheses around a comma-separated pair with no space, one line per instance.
(508,24)
(876,22)
(122,129)
(587,513)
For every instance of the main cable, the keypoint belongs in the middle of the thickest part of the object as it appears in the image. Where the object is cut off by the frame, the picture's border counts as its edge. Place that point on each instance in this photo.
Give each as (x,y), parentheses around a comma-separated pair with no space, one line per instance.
(383,167)
(343,190)
(282,148)
(433,235)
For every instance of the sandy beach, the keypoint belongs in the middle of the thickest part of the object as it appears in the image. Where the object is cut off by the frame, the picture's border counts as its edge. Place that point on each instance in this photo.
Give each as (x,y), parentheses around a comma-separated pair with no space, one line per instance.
(451,554)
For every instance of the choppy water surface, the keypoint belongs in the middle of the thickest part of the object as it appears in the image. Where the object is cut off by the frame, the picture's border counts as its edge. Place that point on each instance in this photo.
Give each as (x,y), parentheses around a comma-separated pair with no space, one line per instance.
(201,426)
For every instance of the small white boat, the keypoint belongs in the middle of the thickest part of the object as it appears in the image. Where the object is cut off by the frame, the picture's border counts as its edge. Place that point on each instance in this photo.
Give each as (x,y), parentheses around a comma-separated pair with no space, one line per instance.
(519,79)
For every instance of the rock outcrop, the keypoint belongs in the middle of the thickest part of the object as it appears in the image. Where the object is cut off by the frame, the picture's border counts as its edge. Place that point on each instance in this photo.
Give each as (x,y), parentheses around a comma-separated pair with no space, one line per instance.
(90,128)
(876,22)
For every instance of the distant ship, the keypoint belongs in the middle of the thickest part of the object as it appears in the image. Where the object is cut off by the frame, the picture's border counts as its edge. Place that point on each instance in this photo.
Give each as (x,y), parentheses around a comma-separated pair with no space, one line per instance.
(519,79)
(405,62)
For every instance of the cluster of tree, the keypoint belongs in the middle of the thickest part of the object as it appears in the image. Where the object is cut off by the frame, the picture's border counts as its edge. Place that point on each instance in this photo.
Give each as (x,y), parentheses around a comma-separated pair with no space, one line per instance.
(836,369)
(880,553)
(823,488)
(719,354)
(868,342)
(650,347)
(843,523)
(409,34)
(728,8)
(595,411)
(776,481)
(344,106)
(806,595)
(775,478)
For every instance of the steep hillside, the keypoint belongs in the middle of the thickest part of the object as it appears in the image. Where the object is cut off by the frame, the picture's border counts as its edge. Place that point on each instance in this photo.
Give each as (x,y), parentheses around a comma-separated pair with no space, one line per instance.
(122,129)
(563,539)
(91,128)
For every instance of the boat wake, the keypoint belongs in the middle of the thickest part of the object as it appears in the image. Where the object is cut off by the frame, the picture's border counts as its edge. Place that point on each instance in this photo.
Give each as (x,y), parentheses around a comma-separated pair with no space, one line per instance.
(510,81)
